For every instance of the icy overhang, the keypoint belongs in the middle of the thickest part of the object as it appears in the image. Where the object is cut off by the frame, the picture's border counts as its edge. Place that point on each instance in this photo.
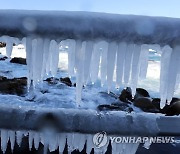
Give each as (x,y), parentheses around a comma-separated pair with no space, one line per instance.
(90,26)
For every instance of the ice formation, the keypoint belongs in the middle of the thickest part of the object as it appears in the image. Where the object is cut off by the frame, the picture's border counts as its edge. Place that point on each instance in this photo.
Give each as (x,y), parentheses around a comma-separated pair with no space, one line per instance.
(92,60)
(112,47)
(53,141)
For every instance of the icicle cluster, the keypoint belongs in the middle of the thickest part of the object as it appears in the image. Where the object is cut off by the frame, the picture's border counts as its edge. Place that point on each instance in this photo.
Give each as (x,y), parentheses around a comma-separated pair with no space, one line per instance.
(53,141)
(170,73)
(90,60)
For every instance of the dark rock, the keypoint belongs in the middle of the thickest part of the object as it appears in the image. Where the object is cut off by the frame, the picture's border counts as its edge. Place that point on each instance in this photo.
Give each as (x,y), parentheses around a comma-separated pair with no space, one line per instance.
(66,81)
(156,102)
(115,107)
(145,103)
(174,99)
(2,44)
(18,60)
(3,58)
(126,95)
(140,92)
(174,109)
(52,80)
(16,86)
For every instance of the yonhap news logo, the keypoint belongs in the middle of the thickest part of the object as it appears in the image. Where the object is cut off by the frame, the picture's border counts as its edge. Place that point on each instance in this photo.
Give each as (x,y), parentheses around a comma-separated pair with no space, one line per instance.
(100,139)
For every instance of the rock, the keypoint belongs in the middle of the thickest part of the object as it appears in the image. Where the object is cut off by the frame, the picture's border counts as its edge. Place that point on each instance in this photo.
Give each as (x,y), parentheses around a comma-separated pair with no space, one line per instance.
(115,107)
(3,58)
(145,103)
(52,80)
(166,109)
(16,86)
(2,44)
(174,109)
(18,60)
(126,95)
(156,102)
(140,92)
(66,81)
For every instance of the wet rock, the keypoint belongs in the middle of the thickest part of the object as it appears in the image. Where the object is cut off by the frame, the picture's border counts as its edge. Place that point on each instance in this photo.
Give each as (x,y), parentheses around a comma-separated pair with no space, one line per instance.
(115,107)
(145,103)
(174,109)
(156,102)
(52,80)
(3,58)
(66,81)
(18,60)
(2,44)
(126,95)
(140,92)
(16,86)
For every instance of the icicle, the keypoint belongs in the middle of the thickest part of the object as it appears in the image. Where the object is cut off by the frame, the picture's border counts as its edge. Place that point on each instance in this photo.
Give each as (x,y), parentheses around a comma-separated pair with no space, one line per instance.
(165,61)
(29,59)
(19,136)
(144,61)
(89,144)
(79,70)
(61,142)
(104,62)
(128,63)
(53,142)
(111,57)
(36,140)
(87,60)
(54,52)
(120,63)
(4,140)
(69,142)
(135,68)
(45,56)
(30,139)
(71,57)
(173,72)
(95,62)
(11,135)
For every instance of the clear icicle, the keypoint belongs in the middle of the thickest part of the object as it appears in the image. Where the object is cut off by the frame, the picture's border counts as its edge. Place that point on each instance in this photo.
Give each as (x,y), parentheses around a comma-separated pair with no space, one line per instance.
(45,56)
(95,62)
(165,61)
(104,62)
(54,52)
(12,139)
(4,140)
(61,142)
(36,140)
(19,136)
(144,61)
(173,72)
(128,63)
(9,47)
(38,61)
(87,60)
(120,63)
(111,57)
(135,68)
(89,143)
(53,142)
(71,57)
(79,70)
(69,142)
(29,59)
(30,139)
